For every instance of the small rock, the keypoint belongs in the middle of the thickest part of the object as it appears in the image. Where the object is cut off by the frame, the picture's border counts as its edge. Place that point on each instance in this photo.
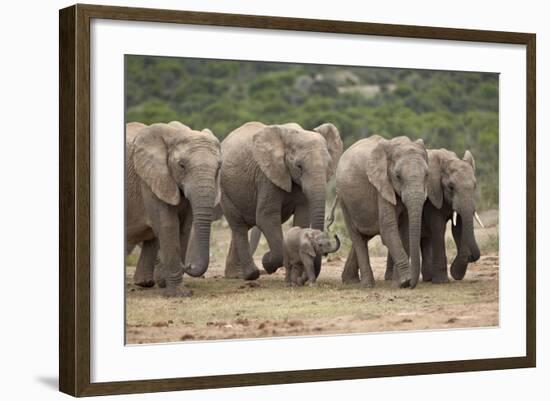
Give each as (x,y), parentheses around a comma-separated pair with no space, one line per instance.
(187,337)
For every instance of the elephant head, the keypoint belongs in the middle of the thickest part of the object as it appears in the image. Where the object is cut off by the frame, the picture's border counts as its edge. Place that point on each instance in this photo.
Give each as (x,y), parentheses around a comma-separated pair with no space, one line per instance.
(452,180)
(316,242)
(176,162)
(399,168)
(288,154)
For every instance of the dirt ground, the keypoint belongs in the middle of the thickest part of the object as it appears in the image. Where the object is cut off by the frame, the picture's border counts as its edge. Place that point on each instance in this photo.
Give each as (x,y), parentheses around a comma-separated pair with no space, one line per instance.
(224,309)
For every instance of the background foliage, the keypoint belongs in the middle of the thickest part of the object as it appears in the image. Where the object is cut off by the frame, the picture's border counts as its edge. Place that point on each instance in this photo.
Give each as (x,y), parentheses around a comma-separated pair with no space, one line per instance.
(454,110)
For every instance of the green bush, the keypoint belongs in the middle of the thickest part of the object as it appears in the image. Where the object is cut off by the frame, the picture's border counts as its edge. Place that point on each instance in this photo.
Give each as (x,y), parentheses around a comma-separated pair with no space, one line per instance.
(454,110)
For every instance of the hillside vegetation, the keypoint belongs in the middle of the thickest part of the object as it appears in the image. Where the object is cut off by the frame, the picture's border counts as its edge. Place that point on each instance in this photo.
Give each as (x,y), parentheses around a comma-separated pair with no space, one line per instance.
(455,110)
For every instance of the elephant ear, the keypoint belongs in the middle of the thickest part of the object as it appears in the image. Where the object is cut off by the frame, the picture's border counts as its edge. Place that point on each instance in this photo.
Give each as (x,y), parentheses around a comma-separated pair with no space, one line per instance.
(468,157)
(377,171)
(268,149)
(435,188)
(151,161)
(334,142)
(306,243)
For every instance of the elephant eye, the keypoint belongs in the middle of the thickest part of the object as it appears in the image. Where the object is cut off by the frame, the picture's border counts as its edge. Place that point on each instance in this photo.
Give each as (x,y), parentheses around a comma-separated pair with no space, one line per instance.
(398,176)
(182,165)
(451,187)
(299,166)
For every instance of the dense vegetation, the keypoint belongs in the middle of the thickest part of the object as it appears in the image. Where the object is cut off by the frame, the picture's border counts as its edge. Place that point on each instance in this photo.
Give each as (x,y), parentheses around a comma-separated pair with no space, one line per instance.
(455,110)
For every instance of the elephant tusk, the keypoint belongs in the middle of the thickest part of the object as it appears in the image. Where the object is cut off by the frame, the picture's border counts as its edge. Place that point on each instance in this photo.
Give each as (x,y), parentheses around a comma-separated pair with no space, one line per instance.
(478,219)
(454,217)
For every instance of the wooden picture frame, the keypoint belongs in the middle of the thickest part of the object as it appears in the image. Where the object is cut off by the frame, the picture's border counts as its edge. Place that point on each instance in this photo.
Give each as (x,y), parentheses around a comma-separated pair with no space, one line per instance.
(74,203)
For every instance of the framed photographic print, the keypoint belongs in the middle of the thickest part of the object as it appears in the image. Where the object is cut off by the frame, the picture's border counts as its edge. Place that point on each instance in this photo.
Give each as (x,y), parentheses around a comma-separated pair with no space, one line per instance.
(250,200)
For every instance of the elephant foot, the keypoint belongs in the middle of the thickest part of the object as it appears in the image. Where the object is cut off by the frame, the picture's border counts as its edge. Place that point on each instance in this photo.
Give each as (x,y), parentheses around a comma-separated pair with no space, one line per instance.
(160,276)
(367,283)
(404,282)
(440,277)
(252,273)
(300,281)
(177,292)
(269,264)
(144,282)
(388,275)
(143,279)
(427,275)
(440,280)
(350,280)
(232,274)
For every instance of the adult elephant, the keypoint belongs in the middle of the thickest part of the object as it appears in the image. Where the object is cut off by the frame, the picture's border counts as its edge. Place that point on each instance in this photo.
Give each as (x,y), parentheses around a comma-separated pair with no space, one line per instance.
(381,186)
(451,188)
(451,196)
(270,172)
(170,183)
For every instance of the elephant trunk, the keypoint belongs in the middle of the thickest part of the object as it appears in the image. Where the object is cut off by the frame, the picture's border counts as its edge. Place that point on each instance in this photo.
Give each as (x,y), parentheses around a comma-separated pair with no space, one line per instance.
(203,207)
(414,204)
(316,197)
(469,251)
(336,244)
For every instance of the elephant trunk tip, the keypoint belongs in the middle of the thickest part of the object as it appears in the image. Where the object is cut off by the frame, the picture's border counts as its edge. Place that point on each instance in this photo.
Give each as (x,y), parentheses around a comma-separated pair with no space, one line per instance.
(197,270)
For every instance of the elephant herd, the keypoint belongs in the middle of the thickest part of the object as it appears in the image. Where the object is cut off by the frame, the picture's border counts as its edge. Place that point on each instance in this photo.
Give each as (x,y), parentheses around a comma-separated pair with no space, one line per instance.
(178,180)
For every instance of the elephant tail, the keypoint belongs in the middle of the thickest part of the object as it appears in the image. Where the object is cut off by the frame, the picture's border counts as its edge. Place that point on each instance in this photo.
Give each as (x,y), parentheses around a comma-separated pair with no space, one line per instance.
(330,218)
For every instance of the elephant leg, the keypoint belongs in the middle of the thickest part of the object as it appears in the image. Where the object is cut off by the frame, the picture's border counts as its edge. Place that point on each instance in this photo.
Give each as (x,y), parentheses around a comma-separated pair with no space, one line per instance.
(166,225)
(188,249)
(360,244)
(391,237)
(309,271)
(427,261)
(439,254)
(350,274)
(143,275)
(295,274)
(388,276)
(240,240)
(255,235)
(268,220)
(232,265)
(271,228)
(362,252)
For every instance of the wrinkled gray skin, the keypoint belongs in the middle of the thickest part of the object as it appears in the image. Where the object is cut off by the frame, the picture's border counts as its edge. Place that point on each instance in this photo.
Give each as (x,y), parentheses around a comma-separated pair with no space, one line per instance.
(301,247)
(170,183)
(268,174)
(381,186)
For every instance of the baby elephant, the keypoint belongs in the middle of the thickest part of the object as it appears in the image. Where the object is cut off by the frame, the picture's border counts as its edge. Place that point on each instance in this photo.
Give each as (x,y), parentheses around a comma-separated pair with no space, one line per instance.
(301,246)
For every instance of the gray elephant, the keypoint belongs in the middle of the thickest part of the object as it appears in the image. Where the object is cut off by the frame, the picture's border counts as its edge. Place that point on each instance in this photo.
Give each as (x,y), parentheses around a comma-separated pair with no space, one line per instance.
(301,247)
(381,186)
(451,187)
(270,172)
(170,184)
(451,193)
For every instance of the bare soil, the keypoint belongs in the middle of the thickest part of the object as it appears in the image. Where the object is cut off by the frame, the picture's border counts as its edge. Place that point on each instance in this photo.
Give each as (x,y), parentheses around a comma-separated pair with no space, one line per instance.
(226,309)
